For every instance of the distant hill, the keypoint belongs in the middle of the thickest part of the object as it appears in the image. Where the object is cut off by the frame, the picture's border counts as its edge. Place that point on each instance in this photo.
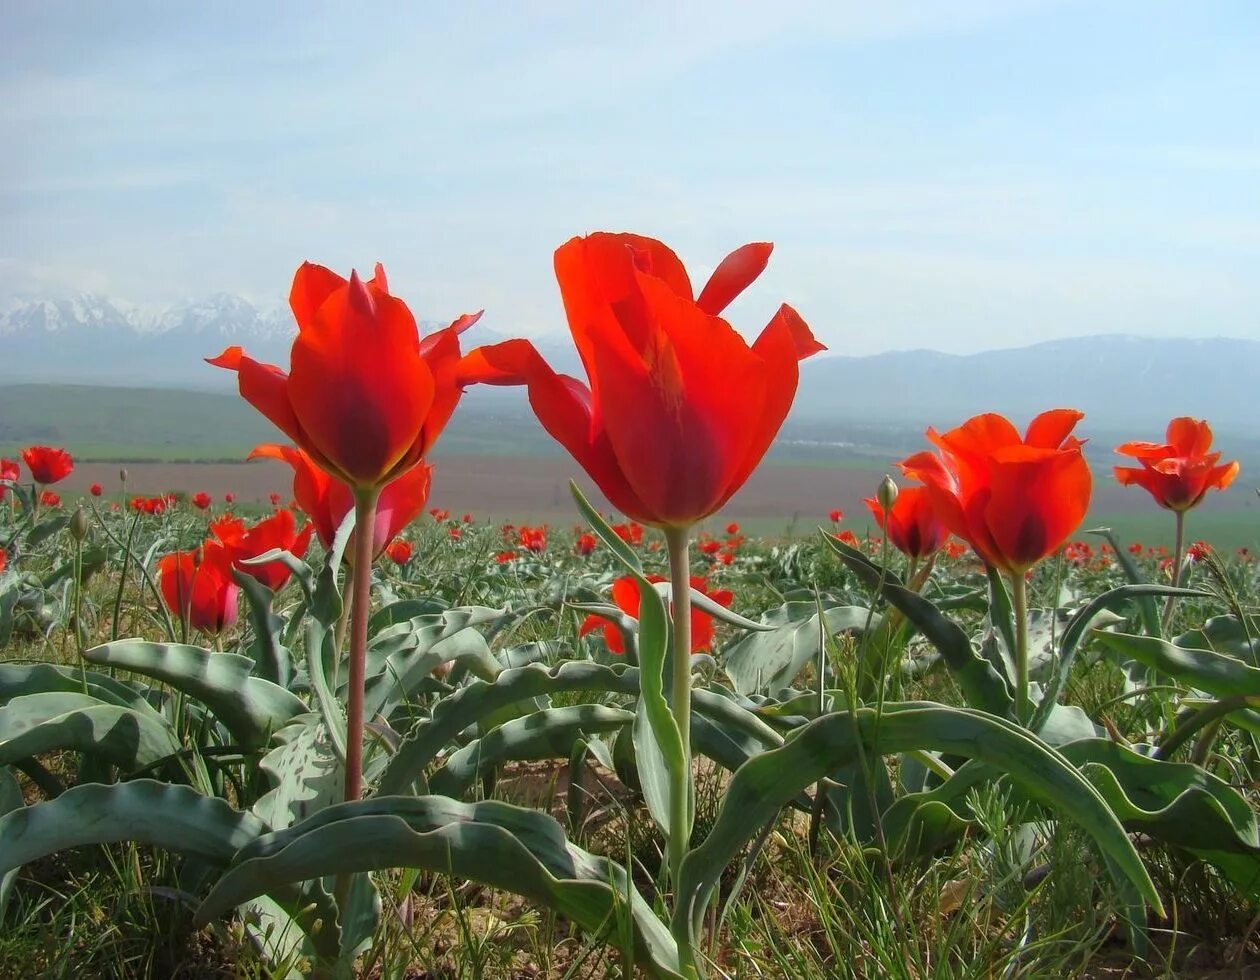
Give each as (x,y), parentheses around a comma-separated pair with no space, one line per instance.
(1119,381)
(1123,383)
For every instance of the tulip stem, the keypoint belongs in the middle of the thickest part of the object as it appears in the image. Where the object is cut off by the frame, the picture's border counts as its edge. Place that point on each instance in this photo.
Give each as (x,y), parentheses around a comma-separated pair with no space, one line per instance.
(1178,550)
(364,521)
(1019,602)
(677,543)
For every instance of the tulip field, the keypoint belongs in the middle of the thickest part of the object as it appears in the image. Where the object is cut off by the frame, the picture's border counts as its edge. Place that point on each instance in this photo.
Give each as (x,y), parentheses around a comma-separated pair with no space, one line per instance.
(962,733)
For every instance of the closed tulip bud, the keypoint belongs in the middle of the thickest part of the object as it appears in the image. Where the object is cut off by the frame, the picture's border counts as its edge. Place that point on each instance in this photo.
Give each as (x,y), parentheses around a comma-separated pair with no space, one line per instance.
(79,524)
(887,493)
(122,474)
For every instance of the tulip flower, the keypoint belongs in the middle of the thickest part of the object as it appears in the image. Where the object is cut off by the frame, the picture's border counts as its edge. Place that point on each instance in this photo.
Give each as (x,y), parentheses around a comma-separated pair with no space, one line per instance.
(96,489)
(201,500)
(680,409)
(1178,473)
(533,539)
(585,543)
(912,526)
(198,587)
(229,498)
(399,551)
(243,543)
(47,465)
(625,595)
(836,516)
(327,501)
(49,498)
(365,397)
(1014,500)
(4,560)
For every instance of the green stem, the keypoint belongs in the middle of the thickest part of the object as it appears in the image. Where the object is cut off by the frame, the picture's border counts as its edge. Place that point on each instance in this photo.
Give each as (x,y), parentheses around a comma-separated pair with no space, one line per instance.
(1178,550)
(364,521)
(677,543)
(1019,602)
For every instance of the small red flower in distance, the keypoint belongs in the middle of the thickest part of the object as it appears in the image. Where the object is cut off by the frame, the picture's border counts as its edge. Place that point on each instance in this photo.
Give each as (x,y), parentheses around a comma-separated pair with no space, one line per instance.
(96,489)
(399,551)
(625,595)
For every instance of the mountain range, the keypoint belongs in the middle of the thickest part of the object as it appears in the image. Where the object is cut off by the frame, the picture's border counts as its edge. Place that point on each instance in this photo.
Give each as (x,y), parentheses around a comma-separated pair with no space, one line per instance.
(1120,381)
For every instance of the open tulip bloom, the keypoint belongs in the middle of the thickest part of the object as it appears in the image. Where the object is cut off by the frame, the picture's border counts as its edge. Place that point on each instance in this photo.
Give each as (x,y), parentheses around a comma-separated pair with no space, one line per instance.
(679,409)
(1014,499)
(1177,473)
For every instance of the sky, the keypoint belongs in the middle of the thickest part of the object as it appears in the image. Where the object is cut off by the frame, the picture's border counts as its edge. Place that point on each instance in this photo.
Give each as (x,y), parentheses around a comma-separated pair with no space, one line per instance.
(956,175)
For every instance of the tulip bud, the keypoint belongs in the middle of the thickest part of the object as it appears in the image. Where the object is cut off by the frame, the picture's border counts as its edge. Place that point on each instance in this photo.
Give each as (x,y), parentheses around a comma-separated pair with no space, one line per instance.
(122,474)
(887,493)
(78,524)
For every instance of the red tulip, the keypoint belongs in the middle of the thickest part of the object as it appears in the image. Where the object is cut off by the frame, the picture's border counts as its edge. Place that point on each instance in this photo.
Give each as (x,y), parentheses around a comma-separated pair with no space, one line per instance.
(277,531)
(399,551)
(625,595)
(912,527)
(8,471)
(4,560)
(680,409)
(327,501)
(503,557)
(202,500)
(1013,500)
(198,587)
(585,543)
(47,465)
(49,499)
(274,498)
(533,539)
(440,515)
(836,516)
(365,398)
(631,533)
(1179,472)
(96,489)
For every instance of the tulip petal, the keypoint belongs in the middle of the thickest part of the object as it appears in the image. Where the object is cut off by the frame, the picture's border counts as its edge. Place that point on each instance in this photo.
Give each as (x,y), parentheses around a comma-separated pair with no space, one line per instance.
(1035,504)
(312,285)
(597,275)
(733,275)
(679,409)
(358,385)
(1049,429)
(264,386)
(565,408)
(1190,437)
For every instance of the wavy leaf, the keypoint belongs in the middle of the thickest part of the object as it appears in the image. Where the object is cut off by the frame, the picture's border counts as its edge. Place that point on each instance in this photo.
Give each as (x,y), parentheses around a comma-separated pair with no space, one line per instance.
(507,847)
(765,784)
(547,734)
(251,708)
(33,724)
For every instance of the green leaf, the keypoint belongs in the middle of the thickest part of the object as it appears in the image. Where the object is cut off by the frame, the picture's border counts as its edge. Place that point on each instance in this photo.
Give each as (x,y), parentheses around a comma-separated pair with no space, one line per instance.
(770,661)
(36,723)
(982,685)
(547,734)
(468,705)
(305,774)
(765,784)
(19,679)
(10,799)
(1214,673)
(251,708)
(401,656)
(272,660)
(146,811)
(492,843)
(622,551)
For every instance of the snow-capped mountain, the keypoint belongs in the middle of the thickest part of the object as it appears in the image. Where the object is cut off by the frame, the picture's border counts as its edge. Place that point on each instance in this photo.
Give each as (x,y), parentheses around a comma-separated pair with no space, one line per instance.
(91,338)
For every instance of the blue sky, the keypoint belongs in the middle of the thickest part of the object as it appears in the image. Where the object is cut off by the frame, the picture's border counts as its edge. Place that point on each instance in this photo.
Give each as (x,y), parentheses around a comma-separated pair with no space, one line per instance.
(955,175)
